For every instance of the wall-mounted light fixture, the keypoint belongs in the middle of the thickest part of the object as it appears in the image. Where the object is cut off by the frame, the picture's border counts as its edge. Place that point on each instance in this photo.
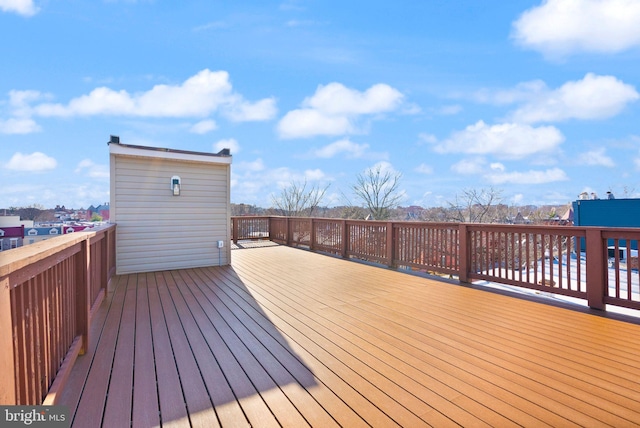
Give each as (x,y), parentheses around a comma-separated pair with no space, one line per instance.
(175,185)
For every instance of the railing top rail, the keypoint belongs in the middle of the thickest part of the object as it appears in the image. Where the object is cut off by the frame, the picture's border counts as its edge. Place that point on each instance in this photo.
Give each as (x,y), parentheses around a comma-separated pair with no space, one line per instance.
(472,226)
(565,230)
(624,233)
(29,255)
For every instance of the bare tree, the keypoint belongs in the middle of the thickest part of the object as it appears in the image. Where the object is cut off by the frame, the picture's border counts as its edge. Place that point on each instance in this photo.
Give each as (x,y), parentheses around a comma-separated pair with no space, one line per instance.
(352,212)
(296,200)
(435,214)
(32,212)
(475,206)
(377,189)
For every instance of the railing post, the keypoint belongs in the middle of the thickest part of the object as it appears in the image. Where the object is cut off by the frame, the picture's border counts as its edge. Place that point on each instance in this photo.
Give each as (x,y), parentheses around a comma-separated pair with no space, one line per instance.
(345,239)
(83,304)
(596,287)
(287,228)
(234,230)
(112,253)
(312,235)
(390,256)
(464,253)
(104,268)
(7,362)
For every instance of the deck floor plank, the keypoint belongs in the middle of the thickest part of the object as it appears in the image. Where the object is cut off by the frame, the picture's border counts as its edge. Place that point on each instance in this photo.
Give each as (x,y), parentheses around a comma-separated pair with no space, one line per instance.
(285,337)
(240,324)
(120,393)
(555,412)
(353,368)
(90,408)
(443,389)
(419,389)
(145,412)
(171,398)
(255,377)
(277,344)
(201,412)
(560,346)
(221,367)
(72,393)
(397,348)
(571,380)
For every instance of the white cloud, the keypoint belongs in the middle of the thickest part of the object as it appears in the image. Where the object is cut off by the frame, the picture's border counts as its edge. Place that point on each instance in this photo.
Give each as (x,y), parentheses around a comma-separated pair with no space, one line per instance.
(215,25)
(561,27)
(20,121)
(351,149)
(20,100)
(596,157)
(253,182)
(497,166)
(384,167)
(34,162)
(92,170)
(204,126)
(593,97)
(300,23)
(291,5)
(469,166)
(423,168)
(427,138)
(450,110)
(522,92)
(337,99)
(314,174)
(508,140)
(18,126)
(410,109)
(255,166)
(244,111)
(21,7)
(198,96)
(230,143)
(529,177)
(334,109)
(309,123)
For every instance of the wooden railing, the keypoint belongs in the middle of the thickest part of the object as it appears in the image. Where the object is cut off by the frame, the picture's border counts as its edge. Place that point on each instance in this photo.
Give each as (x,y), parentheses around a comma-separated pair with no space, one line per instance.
(579,262)
(48,291)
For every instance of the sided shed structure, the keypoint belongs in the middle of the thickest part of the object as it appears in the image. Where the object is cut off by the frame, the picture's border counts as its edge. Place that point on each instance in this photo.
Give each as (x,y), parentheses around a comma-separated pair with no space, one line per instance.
(172,207)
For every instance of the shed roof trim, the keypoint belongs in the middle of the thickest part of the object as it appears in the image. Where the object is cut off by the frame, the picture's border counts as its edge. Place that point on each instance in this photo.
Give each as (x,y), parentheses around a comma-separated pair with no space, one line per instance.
(165,153)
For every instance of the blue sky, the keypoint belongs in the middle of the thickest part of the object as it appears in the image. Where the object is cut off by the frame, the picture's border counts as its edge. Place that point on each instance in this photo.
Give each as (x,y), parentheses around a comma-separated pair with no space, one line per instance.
(536,99)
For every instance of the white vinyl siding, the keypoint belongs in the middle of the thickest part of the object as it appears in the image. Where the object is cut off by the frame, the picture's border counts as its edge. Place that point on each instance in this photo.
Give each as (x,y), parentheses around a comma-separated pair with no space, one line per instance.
(158,231)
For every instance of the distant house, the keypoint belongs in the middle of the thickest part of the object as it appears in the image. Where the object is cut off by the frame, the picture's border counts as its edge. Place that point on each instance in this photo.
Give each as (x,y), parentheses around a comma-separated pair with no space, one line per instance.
(37,234)
(520,219)
(12,231)
(172,207)
(101,210)
(42,233)
(11,237)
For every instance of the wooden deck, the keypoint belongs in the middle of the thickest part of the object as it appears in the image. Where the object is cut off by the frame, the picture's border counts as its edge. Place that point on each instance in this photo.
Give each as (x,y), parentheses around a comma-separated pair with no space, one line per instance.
(285,337)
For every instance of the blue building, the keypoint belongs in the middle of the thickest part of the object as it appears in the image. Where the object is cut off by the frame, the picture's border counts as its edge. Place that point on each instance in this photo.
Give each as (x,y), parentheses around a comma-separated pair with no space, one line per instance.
(608,213)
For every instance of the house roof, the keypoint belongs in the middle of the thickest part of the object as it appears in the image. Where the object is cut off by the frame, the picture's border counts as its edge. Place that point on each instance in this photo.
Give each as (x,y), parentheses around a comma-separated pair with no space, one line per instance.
(12,232)
(222,157)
